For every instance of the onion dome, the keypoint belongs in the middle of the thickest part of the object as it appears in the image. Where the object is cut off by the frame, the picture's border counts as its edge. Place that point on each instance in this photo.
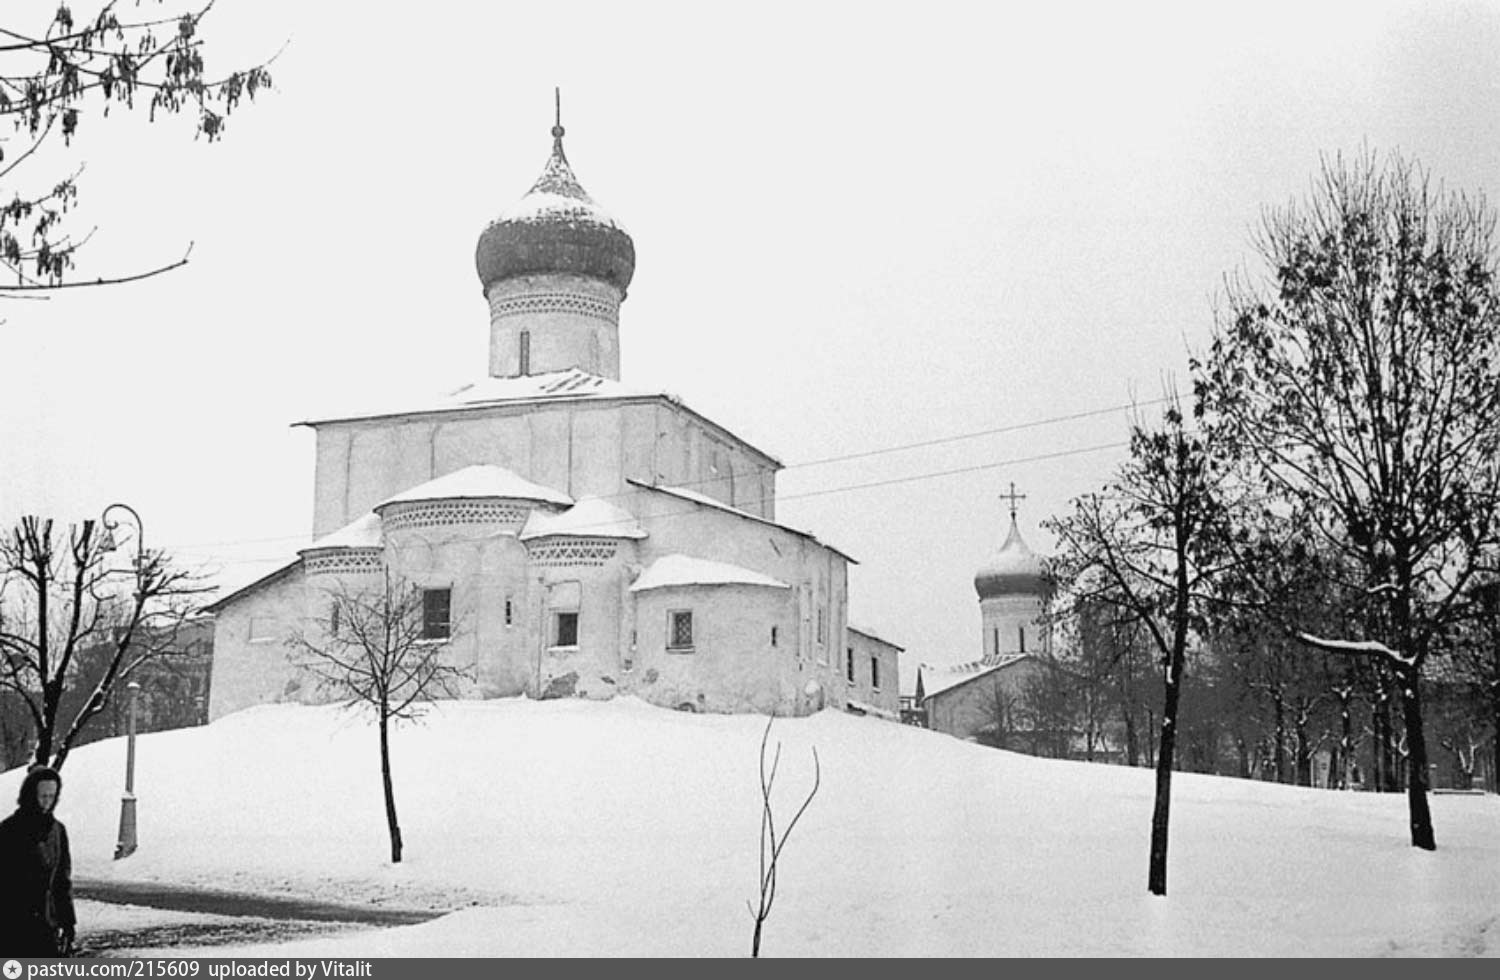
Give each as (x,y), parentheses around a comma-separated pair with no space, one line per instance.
(556,229)
(1013,570)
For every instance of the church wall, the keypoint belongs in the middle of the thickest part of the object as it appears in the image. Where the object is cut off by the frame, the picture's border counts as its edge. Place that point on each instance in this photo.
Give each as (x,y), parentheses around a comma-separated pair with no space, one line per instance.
(732,665)
(330,480)
(968,710)
(590,584)
(817,574)
(252,663)
(578,448)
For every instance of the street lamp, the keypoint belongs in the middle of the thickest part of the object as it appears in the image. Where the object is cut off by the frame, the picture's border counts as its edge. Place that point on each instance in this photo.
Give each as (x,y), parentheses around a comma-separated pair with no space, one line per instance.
(108,542)
(126,844)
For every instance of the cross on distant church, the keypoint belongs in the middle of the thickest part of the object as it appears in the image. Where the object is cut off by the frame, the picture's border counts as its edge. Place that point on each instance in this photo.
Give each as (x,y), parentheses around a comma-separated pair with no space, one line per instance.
(1013,497)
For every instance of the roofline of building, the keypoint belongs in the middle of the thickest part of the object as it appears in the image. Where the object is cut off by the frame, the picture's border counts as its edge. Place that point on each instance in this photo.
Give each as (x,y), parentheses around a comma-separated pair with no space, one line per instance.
(573,399)
(719,505)
(983,673)
(264,580)
(874,636)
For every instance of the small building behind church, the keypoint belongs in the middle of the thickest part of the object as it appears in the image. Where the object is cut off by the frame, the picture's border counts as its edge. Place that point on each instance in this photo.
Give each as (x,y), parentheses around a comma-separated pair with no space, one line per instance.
(571,536)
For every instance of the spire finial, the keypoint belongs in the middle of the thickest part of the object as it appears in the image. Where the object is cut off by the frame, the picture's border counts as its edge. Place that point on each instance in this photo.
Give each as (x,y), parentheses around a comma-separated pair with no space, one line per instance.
(1013,497)
(557,127)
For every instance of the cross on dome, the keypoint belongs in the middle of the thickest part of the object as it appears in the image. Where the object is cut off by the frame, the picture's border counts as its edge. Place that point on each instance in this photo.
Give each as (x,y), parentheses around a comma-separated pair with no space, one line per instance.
(1013,497)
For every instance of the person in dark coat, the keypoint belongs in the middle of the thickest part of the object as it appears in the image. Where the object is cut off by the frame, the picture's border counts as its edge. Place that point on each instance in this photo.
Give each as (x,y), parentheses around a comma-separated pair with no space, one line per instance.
(36,884)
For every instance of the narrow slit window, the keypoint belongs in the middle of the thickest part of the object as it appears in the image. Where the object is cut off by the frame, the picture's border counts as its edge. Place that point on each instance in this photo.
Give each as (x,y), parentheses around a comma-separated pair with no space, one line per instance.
(525,352)
(437,604)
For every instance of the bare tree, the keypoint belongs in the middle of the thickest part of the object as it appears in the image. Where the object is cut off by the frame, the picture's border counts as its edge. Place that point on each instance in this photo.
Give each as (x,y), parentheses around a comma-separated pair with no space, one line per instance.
(61,599)
(771,842)
(53,78)
(1362,380)
(379,650)
(1145,546)
(996,713)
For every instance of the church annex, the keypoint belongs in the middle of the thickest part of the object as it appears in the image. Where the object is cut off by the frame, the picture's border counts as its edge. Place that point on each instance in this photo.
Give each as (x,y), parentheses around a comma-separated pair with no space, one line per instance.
(571,536)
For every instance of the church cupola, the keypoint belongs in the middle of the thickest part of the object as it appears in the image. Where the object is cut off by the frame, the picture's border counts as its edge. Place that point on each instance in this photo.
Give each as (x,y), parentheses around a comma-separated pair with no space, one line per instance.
(555,268)
(1012,586)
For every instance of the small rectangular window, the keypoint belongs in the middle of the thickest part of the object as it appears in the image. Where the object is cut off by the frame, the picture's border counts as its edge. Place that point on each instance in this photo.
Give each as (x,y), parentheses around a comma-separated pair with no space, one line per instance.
(1023,638)
(875,673)
(566,632)
(849,664)
(773,636)
(822,625)
(680,629)
(436,605)
(525,357)
(509,612)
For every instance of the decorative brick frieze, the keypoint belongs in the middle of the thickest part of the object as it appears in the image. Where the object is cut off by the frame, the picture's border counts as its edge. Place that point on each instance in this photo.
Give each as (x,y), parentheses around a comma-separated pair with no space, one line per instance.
(560,551)
(576,303)
(355,561)
(447,513)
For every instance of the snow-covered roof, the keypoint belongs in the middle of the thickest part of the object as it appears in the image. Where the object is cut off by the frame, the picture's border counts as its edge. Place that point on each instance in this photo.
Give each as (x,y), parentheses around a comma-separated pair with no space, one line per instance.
(363,533)
(591,517)
(482,482)
(936,680)
(670,571)
(683,493)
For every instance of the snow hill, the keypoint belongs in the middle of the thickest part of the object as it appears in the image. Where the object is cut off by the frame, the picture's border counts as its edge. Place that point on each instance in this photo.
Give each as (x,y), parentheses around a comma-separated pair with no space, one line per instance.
(579,828)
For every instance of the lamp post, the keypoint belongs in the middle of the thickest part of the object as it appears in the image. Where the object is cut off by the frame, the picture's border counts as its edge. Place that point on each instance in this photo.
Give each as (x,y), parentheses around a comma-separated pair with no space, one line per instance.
(126,844)
(108,542)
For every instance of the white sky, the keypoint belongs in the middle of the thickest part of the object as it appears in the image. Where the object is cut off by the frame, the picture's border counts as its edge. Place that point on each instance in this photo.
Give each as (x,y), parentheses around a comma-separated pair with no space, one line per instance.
(857,226)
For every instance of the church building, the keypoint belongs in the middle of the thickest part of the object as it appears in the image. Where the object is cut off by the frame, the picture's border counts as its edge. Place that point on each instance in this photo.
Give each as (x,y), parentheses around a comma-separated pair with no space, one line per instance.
(571,536)
(985,699)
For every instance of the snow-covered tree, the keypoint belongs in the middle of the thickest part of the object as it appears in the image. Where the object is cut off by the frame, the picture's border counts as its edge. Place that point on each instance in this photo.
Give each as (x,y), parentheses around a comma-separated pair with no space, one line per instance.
(1362,377)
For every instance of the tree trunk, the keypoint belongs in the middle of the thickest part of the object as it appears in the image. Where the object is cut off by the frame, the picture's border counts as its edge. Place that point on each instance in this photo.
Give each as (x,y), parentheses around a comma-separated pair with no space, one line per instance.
(1280,746)
(1132,740)
(390,792)
(1157,879)
(1416,770)
(1304,753)
(1495,722)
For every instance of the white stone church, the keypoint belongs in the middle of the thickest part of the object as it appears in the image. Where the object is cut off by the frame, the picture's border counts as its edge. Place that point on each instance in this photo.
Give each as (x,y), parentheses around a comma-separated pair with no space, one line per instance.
(571,536)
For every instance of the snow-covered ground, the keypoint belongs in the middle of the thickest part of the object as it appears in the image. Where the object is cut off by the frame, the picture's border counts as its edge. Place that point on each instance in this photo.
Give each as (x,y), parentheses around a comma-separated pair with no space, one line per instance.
(601,829)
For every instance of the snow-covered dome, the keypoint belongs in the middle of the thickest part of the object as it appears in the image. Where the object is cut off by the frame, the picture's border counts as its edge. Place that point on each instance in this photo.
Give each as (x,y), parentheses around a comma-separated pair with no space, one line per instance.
(556,228)
(1013,570)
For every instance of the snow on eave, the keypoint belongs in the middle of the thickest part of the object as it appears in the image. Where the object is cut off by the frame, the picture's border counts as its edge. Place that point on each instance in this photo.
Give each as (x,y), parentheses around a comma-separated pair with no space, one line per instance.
(676,571)
(590,517)
(695,497)
(270,578)
(363,533)
(484,481)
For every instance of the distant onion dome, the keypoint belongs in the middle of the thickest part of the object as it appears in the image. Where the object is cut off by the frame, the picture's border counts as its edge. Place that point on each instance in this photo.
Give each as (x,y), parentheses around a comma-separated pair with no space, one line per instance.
(1013,570)
(556,228)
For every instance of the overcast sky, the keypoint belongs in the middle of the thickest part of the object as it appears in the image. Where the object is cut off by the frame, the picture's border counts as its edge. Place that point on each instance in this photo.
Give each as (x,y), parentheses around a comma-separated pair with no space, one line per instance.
(857,227)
